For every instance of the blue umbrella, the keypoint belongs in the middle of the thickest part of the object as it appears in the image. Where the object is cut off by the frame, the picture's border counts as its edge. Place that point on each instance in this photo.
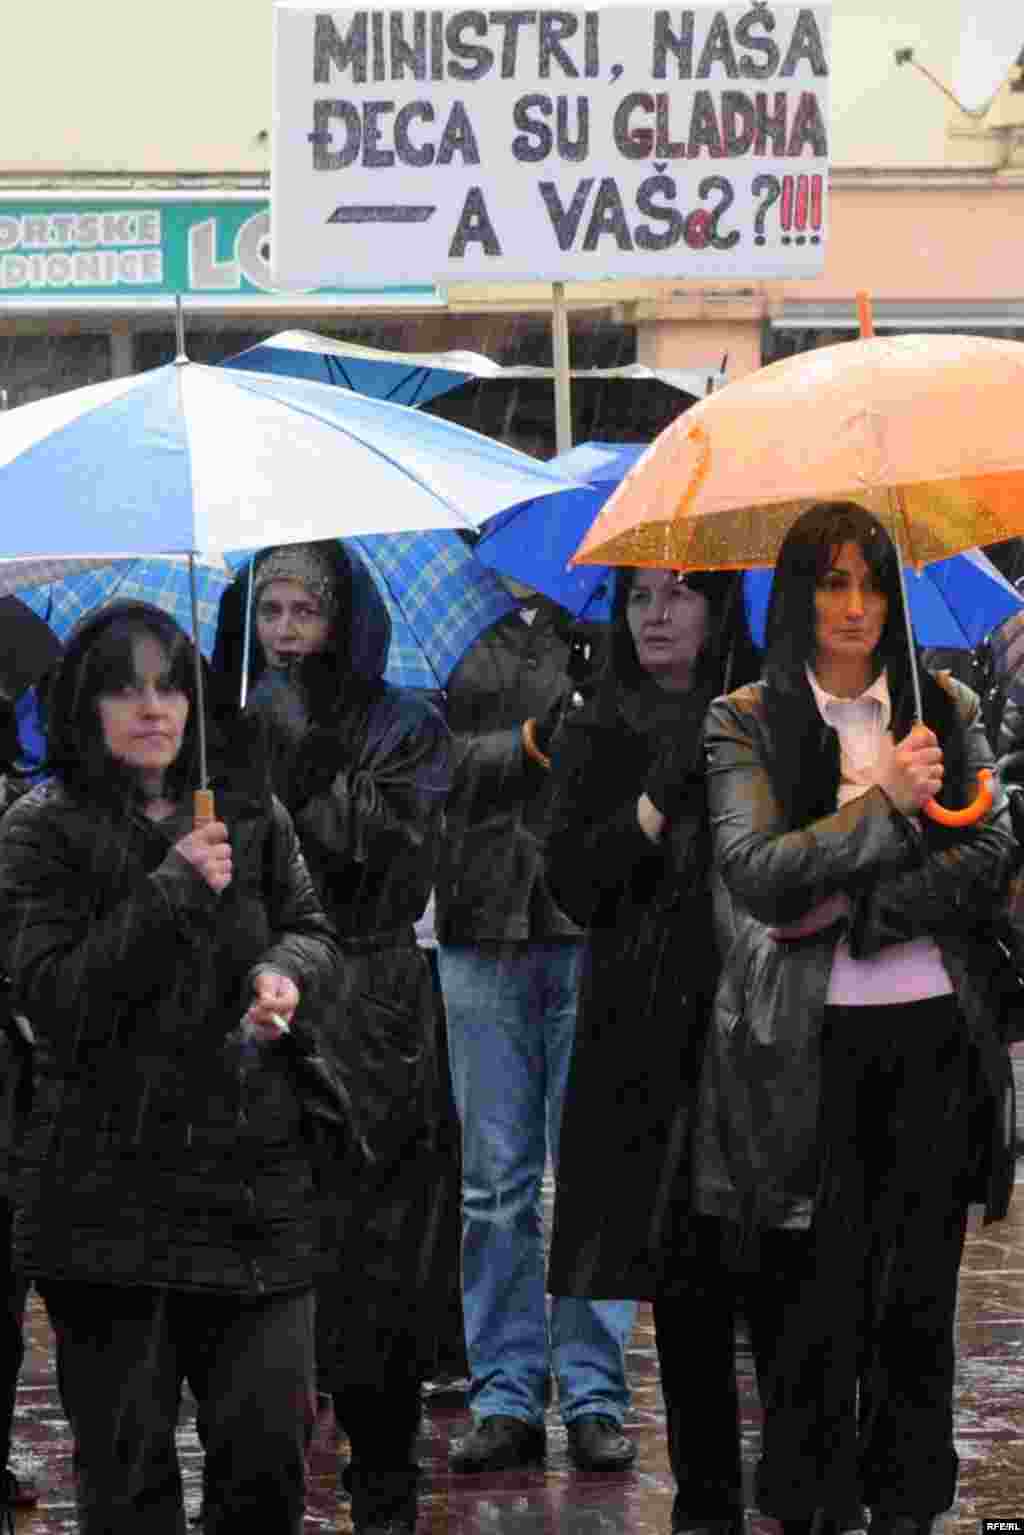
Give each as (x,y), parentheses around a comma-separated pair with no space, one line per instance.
(406,378)
(533,542)
(189,458)
(439,598)
(954,604)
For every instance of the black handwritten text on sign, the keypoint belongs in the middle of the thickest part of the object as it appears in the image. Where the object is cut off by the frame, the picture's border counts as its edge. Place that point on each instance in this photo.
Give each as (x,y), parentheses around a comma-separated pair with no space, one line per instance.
(473,145)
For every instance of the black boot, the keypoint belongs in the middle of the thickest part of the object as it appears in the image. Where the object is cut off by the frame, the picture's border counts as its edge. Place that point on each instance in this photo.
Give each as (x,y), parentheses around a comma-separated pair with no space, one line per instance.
(382,1475)
(382,1501)
(821,1523)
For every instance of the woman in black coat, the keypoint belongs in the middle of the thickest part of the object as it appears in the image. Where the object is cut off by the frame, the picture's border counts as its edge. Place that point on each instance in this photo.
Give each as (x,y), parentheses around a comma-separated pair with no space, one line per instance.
(628,859)
(365,769)
(165,1202)
(856,1094)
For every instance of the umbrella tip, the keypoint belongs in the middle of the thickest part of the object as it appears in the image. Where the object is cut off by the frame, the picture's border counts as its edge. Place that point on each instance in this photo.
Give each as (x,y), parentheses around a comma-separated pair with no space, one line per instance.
(865,315)
(179,329)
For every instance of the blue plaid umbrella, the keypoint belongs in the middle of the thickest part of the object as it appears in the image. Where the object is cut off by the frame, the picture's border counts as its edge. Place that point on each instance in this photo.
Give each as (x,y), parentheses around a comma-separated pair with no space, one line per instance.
(63,599)
(439,597)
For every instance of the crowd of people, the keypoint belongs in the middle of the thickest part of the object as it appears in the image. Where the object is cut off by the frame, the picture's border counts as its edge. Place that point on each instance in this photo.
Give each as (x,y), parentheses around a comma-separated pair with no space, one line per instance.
(698,945)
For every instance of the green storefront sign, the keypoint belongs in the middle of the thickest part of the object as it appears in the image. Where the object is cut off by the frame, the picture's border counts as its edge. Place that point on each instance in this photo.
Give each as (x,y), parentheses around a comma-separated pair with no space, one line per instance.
(98,248)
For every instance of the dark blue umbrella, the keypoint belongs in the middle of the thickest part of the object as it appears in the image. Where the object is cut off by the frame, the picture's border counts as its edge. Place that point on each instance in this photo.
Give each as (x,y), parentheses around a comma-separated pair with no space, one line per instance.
(954,604)
(534,546)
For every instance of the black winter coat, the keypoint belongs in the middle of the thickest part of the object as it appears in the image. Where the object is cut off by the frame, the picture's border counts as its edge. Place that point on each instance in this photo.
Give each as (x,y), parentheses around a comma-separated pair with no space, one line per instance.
(15,1041)
(155,1152)
(781,847)
(491,885)
(623,1180)
(366,781)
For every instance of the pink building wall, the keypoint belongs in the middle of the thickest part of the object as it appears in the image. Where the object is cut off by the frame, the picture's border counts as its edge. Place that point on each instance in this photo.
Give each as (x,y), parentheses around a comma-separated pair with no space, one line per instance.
(907,242)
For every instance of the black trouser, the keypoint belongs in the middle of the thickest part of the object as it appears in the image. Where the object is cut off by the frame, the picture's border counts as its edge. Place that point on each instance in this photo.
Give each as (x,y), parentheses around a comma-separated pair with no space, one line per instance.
(868,1298)
(446,1269)
(382,1423)
(122,1354)
(12,1342)
(695,1331)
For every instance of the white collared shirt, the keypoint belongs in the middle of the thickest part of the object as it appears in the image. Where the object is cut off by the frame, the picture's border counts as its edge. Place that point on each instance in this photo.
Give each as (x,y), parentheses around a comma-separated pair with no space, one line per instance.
(862,725)
(903,972)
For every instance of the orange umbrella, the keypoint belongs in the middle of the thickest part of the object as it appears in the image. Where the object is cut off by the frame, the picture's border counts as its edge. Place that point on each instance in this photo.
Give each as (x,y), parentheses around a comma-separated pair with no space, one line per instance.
(926,431)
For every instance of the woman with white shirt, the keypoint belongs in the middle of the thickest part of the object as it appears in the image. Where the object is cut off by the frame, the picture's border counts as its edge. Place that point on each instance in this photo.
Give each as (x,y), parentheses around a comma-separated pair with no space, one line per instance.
(855,1081)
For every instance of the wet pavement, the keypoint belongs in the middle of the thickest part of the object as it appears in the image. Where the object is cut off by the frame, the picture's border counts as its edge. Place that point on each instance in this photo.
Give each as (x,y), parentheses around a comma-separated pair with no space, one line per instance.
(560,1500)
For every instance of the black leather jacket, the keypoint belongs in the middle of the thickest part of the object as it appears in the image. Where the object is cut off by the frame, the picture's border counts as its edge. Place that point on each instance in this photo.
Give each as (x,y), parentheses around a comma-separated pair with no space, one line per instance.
(759,1116)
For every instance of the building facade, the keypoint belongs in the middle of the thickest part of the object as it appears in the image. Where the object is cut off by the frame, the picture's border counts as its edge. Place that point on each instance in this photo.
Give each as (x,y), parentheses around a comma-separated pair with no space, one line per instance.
(134,165)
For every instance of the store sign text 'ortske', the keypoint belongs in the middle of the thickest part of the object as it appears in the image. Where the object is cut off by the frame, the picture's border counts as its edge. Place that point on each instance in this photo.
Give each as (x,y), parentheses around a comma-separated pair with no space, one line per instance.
(458,145)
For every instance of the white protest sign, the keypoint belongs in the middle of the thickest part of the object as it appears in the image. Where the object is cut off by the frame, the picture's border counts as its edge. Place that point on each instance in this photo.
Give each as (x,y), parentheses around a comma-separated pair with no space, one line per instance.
(558,145)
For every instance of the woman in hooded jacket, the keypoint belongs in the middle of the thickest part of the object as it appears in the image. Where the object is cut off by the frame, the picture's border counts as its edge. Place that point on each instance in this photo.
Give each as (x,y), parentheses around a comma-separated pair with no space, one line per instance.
(856,1089)
(628,858)
(164,1189)
(364,768)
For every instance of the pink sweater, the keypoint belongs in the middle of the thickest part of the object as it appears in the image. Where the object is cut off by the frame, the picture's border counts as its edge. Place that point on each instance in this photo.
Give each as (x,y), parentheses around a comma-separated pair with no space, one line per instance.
(903,972)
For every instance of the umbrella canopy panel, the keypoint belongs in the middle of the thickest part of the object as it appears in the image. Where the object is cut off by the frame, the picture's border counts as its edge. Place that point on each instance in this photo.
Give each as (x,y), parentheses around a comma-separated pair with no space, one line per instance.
(534,542)
(161,580)
(405,378)
(438,596)
(208,459)
(923,430)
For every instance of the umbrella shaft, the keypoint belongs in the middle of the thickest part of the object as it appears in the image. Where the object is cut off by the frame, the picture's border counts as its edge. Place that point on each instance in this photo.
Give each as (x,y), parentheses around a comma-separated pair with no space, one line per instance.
(915,680)
(200,703)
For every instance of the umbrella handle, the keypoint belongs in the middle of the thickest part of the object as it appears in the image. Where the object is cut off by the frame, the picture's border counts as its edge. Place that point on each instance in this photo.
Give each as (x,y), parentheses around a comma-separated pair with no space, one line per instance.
(970,813)
(202,807)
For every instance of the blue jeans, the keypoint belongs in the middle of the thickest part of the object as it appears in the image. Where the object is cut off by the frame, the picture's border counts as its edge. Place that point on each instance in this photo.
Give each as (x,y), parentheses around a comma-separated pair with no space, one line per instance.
(511,1017)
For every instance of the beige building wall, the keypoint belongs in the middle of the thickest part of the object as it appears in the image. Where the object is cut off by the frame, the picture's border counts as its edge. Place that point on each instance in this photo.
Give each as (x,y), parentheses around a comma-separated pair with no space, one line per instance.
(127,86)
(888,114)
(132,85)
(927,204)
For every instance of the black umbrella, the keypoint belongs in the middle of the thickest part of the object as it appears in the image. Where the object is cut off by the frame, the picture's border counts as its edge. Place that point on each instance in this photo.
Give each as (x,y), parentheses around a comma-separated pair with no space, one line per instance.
(28,646)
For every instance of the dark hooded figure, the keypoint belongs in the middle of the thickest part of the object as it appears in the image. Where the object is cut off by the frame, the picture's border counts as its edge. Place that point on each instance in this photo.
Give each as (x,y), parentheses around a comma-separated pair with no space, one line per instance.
(628,858)
(164,1193)
(364,768)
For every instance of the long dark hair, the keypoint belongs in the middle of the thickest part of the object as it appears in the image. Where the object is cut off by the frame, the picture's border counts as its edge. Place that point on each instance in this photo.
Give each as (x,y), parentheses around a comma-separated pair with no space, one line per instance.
(98,658)
(808,552)
(727,657)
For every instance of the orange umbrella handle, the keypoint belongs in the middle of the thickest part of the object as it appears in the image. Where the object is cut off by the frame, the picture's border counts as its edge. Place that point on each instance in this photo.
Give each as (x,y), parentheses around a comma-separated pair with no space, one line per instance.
(970,813)
(202,807)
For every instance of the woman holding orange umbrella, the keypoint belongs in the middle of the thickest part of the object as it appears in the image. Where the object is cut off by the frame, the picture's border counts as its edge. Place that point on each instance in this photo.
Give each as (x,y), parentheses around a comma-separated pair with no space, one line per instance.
(853,1092)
